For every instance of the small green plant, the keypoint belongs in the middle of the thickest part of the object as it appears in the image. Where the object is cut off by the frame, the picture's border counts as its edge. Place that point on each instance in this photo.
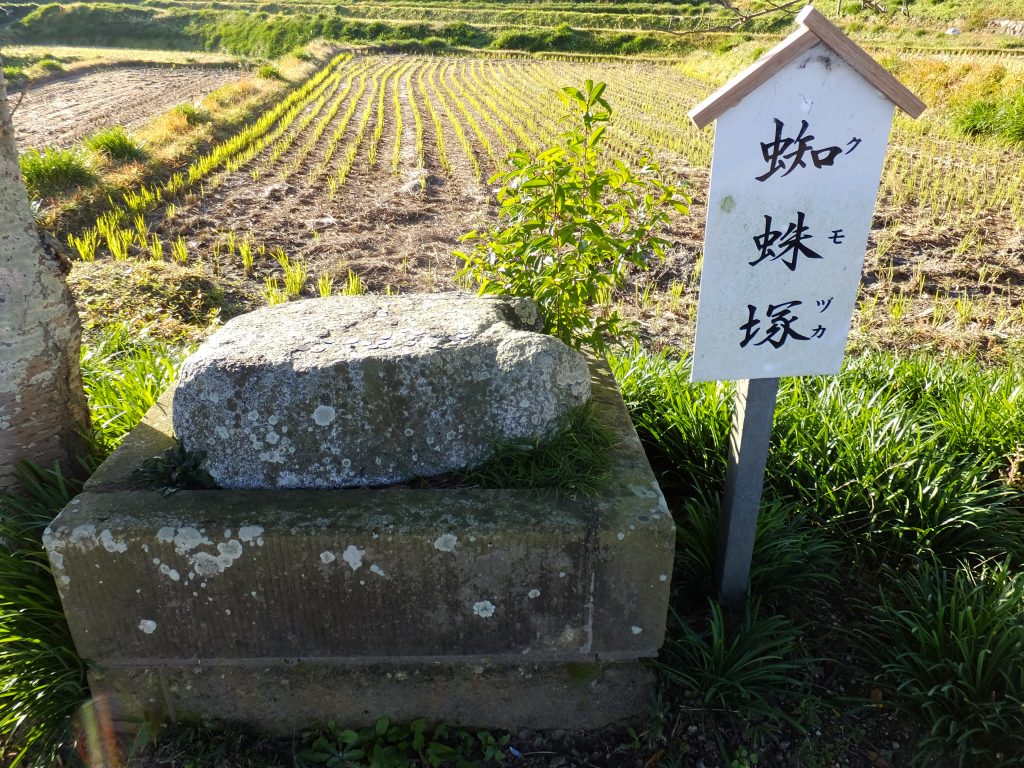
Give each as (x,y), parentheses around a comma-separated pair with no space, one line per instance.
(156,248)
(738,669)
(396,744)
(245,251)
(50,172)
(269,72)
(115,144)
(192,114)
(179,250)
(86,244)
(295,273)
(325,285)
(743,758)
(949,644)
(573,226)
(119,243)
(49,64)
(353,285)
(177,468)
(272,292)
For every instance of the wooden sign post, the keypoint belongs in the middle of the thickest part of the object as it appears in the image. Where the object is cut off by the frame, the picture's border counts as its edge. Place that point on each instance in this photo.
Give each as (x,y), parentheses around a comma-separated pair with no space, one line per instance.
(799,144)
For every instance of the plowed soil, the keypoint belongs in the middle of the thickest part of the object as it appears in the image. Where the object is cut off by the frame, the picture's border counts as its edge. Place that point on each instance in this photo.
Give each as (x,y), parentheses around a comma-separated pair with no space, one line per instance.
(60,112)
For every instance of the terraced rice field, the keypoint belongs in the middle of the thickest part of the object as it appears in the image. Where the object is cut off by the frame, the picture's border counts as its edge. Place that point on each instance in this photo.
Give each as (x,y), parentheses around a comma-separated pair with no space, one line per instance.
(365,177)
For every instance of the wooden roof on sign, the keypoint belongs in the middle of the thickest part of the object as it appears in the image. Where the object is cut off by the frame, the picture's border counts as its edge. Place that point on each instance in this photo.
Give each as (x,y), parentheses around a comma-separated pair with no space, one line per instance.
(814,28)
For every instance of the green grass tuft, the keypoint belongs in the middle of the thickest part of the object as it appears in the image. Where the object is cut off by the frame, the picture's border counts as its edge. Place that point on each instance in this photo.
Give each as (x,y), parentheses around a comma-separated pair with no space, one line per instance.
(898,457)
(737,670)
(125,372)
(42,679)
(792,556)
(269,72)
(193,115)
(949,644)
(115,144)
(50,65)
(574,462)
(999,116)
(52,172)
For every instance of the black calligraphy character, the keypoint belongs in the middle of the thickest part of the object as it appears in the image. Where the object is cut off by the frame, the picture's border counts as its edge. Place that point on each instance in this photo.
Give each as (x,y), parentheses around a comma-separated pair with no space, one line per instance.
(827,156)
(750,327)
(775,152)
(837,236)
(818,332)
(824,304)
(780,330)
(774,244)
(856,143)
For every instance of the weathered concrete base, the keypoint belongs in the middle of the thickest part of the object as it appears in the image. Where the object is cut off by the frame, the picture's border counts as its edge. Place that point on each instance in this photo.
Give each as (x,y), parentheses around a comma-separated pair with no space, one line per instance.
(283,698)
(354,603)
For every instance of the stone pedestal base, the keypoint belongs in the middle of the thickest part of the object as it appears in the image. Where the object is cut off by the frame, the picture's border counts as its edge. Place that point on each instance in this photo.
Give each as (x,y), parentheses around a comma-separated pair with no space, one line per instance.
(283,608)
(282,698)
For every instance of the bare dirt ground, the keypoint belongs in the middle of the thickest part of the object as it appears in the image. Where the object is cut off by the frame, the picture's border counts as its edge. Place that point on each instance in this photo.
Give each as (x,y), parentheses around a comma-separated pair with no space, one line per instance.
(60,112)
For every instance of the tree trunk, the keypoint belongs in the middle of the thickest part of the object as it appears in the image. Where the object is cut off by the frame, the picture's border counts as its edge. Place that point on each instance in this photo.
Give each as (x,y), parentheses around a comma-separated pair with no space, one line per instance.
(43,415)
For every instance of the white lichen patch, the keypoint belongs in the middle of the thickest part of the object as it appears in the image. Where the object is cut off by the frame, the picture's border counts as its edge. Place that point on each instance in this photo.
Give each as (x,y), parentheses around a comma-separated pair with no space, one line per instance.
(484,609)
(251,534)
(533,594)
(170,573)
(111,544)
(185,539)
(446,542)
(644,491)
(620,535)
(377,570)
(636,630)
(148,626)
(353,555)
(57,562)
(323,415)
(83,537)
(327,558)
(663,577)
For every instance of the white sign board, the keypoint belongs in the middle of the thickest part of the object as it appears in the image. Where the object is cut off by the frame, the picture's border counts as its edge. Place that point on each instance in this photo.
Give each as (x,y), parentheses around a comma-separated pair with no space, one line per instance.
(794,178)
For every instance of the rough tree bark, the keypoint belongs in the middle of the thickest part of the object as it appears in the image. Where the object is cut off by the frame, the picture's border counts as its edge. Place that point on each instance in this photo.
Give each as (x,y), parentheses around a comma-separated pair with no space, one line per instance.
(43,415)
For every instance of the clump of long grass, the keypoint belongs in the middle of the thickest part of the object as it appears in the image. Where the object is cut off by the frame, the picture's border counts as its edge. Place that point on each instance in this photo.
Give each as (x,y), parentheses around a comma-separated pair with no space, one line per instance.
(898,457)
(124,372)
(575,461)
(792,556)
(49,172)
(114,143)
(737,670)
(1001,115)
(948,644)
(42,679)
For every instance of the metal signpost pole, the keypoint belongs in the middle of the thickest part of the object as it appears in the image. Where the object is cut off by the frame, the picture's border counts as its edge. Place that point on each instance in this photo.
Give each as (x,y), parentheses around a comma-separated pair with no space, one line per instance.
(753,413)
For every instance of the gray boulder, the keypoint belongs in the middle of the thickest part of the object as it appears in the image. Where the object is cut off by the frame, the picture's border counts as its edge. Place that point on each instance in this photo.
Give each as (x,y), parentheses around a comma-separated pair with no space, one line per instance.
(372,390)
